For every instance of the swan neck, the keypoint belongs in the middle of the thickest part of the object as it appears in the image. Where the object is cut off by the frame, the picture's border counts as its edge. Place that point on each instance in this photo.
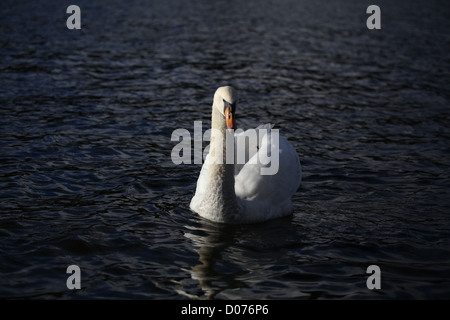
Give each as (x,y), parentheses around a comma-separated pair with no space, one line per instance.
(218,137)
(221,174)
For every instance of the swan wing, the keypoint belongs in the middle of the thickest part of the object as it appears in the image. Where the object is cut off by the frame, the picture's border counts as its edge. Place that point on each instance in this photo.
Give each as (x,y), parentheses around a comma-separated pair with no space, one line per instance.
(269,195)
(247,144)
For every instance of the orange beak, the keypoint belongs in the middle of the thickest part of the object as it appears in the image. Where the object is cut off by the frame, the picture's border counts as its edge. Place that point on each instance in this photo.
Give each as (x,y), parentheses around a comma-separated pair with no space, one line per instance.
(229,118)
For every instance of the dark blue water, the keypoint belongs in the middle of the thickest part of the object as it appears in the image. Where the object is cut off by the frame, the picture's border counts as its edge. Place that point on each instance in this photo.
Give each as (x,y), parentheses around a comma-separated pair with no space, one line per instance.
(86,176)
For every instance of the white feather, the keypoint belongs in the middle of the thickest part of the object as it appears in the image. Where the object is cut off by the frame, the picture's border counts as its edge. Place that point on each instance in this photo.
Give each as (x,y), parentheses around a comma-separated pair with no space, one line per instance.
(259,197)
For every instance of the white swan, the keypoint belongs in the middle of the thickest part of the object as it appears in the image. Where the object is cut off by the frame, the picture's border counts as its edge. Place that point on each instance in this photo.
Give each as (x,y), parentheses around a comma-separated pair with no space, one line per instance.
(240,193)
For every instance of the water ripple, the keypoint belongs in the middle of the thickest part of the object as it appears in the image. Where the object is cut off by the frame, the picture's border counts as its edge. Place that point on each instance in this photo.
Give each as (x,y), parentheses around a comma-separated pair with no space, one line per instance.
(86,174)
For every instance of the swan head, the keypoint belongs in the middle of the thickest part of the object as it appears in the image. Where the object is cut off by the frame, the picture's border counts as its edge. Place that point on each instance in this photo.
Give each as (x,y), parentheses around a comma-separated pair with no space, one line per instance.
(225,101)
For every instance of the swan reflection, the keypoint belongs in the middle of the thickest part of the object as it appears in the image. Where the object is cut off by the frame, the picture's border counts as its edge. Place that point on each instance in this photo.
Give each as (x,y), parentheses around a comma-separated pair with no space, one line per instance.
(231,255)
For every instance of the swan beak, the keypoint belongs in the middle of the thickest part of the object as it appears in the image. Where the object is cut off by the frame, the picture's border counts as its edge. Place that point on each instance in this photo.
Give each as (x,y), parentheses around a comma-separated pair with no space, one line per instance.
(229,117)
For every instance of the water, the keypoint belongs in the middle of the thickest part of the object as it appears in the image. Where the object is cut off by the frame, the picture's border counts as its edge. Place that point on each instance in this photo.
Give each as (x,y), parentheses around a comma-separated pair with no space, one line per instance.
(86,174)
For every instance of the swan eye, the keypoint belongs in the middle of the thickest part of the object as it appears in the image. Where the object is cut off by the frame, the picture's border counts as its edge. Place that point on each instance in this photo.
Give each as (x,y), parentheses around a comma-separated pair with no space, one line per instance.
(226,105)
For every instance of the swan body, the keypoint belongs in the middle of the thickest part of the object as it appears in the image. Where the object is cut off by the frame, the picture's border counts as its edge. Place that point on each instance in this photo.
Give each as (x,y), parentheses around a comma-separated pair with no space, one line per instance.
(247,191)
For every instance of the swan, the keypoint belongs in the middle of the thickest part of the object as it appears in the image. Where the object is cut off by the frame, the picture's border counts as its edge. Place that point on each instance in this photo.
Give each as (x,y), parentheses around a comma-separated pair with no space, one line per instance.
(239,192)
